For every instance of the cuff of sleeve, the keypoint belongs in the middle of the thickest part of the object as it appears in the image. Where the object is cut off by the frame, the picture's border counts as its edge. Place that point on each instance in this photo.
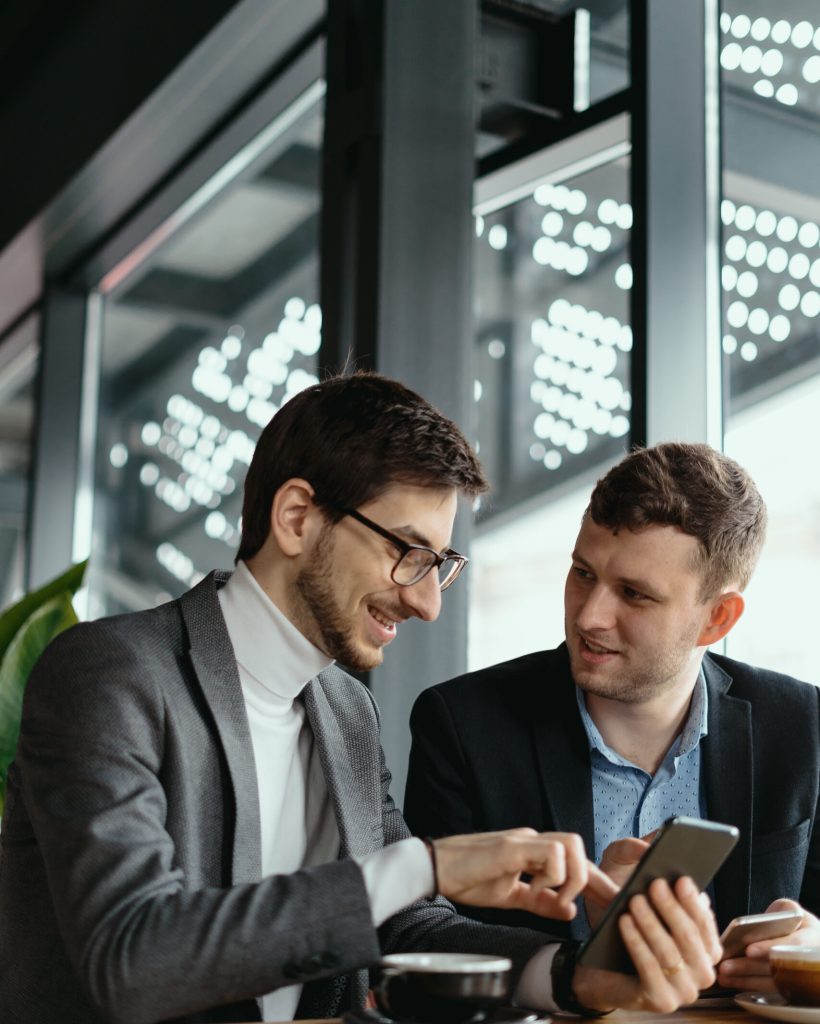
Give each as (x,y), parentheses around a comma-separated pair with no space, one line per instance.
(397,876)
(534,988)
(562,973)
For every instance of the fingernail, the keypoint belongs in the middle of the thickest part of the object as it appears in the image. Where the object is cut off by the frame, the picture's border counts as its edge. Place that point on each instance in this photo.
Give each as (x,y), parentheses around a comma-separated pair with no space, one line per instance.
(687,887)
(639,906)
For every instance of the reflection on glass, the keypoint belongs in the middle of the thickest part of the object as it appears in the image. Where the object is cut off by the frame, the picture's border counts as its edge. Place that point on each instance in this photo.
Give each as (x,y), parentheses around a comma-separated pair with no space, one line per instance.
(552,389)
(216,332)
(552,333)
(772,50)
(770,66)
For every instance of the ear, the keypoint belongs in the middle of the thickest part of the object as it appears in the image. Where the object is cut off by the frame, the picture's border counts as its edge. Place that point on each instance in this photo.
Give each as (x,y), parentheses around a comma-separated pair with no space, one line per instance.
(293,516)
(726,610)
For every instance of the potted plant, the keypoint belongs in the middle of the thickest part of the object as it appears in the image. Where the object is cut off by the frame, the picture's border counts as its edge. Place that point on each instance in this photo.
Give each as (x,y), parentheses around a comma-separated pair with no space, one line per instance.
(26,629)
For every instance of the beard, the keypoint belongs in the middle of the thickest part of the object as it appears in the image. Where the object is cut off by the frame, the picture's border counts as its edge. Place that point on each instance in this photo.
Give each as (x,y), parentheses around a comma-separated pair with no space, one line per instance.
(318,614)
(658,672)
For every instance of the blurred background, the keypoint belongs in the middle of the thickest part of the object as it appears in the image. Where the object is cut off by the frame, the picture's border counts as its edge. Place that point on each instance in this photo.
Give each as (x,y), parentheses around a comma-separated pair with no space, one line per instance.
(573,226)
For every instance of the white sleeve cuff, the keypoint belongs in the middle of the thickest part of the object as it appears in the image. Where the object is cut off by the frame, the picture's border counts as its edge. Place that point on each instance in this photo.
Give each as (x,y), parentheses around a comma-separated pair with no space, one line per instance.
(397,876)
(534,988)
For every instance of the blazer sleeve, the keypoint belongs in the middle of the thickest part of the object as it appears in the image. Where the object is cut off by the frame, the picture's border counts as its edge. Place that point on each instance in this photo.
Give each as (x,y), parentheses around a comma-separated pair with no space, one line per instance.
(440,797)
(810,890)
(145,947)
(435,924)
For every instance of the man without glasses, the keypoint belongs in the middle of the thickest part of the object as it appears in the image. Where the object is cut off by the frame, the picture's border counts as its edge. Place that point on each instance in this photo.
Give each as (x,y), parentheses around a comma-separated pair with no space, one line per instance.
(198,815)
(631,721)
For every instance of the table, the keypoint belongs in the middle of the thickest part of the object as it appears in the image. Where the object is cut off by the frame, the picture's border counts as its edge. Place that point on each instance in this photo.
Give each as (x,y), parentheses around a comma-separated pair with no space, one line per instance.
(713,1015)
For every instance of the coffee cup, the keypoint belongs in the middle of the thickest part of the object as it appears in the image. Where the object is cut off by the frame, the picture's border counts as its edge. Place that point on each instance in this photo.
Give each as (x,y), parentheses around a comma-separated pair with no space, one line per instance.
(796,972)
(441,988)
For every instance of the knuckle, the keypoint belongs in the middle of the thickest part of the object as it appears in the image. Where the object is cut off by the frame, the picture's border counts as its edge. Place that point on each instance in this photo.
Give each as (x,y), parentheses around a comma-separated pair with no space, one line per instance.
(707,976)
(667,1003)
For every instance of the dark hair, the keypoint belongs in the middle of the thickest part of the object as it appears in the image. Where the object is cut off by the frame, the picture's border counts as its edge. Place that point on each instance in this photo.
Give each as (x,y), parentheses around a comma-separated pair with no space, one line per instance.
(350,438)
(702,492)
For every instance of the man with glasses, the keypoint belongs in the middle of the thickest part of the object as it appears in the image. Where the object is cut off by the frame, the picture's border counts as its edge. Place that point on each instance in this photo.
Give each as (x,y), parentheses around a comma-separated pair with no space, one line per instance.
(198,815)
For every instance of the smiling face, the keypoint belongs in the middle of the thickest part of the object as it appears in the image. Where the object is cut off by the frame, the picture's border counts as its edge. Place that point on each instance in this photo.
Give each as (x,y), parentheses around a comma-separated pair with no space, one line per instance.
(634,621)
(345,601)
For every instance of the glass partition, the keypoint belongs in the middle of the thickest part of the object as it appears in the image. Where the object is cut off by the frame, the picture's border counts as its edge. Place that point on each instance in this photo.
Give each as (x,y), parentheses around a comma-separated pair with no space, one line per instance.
(215,331)
(552,391)
(770,65)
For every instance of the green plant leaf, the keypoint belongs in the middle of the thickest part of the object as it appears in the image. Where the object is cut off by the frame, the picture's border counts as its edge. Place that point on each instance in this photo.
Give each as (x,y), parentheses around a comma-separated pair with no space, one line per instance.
(14,617)
(28,643)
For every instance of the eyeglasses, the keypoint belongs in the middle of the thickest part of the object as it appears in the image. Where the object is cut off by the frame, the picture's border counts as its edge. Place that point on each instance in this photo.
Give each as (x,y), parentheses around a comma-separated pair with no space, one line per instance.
(415,560)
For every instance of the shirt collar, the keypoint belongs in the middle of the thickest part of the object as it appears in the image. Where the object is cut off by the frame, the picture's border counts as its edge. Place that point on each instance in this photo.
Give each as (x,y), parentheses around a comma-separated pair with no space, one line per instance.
(694,729)
(266,644)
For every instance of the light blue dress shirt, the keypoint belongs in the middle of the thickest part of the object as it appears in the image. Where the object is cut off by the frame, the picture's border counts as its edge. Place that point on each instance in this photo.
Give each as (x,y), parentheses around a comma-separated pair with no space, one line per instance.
(626,800)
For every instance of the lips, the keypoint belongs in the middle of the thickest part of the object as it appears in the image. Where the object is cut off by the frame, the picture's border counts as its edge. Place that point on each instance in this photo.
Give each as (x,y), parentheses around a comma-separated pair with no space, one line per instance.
(594,653)
(382,625)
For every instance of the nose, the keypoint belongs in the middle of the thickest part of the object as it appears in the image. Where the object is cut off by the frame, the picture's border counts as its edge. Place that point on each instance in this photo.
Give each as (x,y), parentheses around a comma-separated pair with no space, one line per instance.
(596,612)
(423,599)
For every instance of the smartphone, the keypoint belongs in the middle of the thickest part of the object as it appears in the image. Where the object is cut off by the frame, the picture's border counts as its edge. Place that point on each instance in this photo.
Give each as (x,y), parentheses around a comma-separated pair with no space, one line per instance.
(755,928)
(684,846)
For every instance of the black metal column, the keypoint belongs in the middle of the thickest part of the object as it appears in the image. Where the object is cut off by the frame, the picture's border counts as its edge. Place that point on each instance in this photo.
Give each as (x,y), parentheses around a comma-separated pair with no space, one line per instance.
(676,228)
(56,466)
(397,253)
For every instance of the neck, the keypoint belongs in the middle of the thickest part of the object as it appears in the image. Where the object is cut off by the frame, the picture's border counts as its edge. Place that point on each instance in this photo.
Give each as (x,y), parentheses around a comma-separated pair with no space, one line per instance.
(273,578)
(642,733)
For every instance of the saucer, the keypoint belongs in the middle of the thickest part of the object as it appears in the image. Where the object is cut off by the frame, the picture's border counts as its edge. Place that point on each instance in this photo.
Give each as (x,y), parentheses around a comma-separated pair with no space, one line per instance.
(775,1007)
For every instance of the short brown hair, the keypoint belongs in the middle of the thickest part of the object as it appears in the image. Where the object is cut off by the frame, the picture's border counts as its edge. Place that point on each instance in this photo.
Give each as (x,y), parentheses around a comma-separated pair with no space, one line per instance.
(702,492)
(350,438)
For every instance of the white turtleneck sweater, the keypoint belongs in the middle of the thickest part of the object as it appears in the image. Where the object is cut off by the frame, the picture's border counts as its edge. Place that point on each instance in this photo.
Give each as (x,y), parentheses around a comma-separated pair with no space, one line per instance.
(297,821)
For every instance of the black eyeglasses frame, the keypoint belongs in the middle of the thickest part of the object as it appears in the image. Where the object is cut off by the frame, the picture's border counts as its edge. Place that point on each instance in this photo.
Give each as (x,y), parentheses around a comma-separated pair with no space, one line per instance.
(450,555)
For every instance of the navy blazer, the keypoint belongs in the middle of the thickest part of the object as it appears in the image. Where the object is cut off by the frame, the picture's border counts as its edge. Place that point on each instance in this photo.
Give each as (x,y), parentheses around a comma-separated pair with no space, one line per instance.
(505,747)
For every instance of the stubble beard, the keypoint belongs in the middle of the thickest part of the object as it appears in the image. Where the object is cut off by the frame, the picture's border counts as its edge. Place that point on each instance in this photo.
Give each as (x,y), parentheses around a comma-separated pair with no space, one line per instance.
(643,682)
(318,614)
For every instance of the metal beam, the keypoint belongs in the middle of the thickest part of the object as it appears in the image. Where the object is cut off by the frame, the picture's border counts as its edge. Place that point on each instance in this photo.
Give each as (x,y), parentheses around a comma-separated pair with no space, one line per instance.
(397,253)
(56,465)
(676,231)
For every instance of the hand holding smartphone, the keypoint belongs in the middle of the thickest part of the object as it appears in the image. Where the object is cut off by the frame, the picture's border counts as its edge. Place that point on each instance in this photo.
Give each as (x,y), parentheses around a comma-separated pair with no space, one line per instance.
(684,846)
(743,931)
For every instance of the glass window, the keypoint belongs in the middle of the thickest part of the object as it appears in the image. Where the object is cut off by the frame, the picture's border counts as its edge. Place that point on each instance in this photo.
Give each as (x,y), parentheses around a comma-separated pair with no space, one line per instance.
(539,57)
(770,65)
(552,392)
(19,357)
(601,45)
(215,331)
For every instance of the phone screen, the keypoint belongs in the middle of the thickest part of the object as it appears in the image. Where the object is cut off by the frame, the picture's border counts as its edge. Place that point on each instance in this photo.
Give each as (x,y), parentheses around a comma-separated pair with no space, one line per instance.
(684,846)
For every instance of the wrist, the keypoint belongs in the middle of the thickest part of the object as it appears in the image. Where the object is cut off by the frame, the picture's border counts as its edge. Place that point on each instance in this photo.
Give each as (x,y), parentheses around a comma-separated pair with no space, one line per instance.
(562,973)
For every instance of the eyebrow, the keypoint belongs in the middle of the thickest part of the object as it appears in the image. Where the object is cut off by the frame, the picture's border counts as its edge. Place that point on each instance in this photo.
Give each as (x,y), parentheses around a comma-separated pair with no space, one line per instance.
(643,586)
(414,537)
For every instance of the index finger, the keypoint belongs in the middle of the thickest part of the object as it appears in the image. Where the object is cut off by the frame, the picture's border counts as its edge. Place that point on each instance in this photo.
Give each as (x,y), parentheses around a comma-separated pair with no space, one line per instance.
(600,885)
(577,866)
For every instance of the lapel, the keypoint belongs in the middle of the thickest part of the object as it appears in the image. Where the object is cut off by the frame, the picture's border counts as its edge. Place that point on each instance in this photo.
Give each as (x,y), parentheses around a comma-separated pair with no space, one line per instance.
(561,749)
(213,661)
(728,768)
(347,792)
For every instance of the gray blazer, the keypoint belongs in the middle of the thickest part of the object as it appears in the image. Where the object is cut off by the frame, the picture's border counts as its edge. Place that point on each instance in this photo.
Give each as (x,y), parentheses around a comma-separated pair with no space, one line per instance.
(130,886)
